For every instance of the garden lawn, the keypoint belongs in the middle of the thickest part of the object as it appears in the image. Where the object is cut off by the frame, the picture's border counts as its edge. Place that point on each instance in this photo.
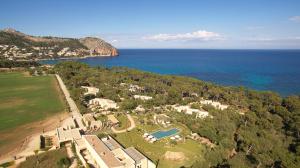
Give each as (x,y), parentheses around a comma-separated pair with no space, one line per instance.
(193,151)
(124,122)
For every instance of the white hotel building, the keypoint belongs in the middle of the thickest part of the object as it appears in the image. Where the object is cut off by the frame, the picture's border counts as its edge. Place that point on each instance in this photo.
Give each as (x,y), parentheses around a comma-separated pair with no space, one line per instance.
(107,153)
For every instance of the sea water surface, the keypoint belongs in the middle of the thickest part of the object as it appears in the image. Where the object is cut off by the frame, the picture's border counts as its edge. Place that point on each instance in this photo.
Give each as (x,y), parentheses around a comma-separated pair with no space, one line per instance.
(275,70)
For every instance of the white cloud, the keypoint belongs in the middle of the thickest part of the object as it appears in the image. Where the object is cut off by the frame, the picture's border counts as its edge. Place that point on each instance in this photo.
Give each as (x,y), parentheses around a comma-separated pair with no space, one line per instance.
(295,18)
(201,35)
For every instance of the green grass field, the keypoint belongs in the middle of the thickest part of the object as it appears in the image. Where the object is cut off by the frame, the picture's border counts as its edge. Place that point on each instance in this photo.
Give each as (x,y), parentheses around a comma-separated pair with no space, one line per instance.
(25,99)
(124,122)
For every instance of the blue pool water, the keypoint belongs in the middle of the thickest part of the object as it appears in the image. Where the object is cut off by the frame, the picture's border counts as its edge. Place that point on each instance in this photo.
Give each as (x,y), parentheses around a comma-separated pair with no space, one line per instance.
(275,70)
(162,134)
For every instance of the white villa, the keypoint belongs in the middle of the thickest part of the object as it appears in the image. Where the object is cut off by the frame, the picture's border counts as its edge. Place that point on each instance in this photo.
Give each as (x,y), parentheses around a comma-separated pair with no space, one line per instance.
(217,105)
(103,103)
(142,97)
(107,153)
(190,111)
(90,90)
(134,88)
(139,108)
(162,119)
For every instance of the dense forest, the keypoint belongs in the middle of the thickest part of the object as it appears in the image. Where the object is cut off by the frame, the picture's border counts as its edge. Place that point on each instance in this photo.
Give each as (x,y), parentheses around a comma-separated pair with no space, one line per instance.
(15,64)
(260,129)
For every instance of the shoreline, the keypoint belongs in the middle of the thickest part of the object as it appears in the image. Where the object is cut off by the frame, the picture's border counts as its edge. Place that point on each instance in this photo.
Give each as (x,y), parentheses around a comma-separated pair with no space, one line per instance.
(83,57)
(66,58)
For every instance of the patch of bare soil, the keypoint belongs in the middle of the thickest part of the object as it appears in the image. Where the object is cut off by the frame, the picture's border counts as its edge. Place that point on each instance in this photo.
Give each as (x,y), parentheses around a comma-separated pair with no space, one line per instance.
(17,139)
(26,74)
(207,142)
(174,156)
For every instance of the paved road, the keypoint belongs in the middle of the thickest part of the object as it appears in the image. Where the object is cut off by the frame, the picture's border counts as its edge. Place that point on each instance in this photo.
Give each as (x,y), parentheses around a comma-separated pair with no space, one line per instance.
(132,125)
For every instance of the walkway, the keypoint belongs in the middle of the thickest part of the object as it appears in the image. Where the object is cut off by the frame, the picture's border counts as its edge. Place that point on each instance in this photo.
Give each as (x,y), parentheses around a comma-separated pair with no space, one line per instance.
(73,107)
(132,125)
(71,156)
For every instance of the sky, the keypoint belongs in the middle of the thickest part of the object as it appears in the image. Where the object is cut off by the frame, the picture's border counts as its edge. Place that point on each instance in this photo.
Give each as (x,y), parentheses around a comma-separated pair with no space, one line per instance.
(209,24)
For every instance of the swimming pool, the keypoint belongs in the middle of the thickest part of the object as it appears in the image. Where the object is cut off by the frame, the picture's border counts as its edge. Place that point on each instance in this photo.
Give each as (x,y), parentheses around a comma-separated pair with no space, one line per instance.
(162,134)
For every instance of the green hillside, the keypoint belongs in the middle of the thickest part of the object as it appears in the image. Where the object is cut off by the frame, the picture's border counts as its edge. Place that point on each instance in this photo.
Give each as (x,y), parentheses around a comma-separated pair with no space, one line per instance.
(260,129)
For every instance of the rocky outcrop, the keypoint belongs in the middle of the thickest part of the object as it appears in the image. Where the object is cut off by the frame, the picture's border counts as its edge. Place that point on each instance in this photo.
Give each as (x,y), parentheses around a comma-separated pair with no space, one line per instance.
(99,47)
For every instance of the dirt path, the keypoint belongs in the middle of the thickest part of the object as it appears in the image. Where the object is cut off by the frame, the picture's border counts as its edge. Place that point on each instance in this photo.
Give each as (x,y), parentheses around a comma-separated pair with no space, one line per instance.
(132,125)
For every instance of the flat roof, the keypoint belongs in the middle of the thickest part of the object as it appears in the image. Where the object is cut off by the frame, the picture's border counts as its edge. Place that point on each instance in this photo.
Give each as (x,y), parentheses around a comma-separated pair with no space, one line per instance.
(80,143)
(68,134)
(103,151)
(135,154)
(123,157)
(111,143)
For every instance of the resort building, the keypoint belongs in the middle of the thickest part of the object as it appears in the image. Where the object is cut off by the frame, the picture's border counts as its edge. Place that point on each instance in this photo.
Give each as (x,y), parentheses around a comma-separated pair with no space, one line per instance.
(216,105)
(103,103)
(139,108)
(188,110)
(67,135)
(113,120)
(135,88)
(90,122)
(68,123)
(142,97)
(162,119)
(90,90)
(107,153)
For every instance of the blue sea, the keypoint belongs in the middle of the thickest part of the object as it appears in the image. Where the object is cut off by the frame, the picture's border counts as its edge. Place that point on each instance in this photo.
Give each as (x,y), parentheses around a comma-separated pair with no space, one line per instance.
(275,70)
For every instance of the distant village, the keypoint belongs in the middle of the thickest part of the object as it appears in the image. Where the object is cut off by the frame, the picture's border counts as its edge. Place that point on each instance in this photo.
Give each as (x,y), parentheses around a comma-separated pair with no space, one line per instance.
(13,52)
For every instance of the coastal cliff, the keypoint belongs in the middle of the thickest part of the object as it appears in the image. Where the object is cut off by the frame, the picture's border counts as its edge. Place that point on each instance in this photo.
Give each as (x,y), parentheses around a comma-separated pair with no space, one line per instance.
(15,45)
(99,46)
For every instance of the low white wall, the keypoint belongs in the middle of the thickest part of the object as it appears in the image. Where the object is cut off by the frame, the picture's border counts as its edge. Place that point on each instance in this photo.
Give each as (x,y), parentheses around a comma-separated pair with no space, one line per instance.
(151,164)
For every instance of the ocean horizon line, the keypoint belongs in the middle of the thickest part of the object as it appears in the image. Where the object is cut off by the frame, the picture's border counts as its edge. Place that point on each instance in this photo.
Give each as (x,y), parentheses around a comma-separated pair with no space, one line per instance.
(275,49)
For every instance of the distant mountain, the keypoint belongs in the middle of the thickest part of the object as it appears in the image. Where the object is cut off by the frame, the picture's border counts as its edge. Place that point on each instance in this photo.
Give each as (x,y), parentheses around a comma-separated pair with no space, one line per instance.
(15,45)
